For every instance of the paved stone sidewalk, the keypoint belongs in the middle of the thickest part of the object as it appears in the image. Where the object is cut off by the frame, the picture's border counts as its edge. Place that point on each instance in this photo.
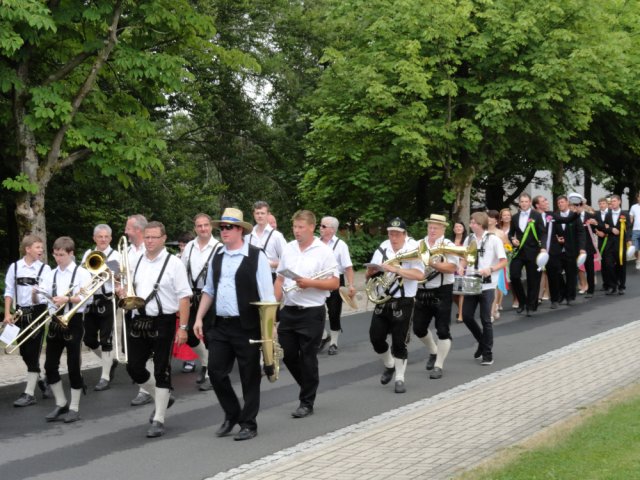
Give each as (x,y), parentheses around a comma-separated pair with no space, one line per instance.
(439,437)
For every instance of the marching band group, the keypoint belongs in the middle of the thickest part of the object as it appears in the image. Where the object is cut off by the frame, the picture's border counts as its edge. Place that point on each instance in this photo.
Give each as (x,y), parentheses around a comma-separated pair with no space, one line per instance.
(212,298)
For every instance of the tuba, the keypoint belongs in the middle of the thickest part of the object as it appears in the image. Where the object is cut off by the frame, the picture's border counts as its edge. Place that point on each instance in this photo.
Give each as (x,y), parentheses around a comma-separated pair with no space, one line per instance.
(378,287)
(271,350)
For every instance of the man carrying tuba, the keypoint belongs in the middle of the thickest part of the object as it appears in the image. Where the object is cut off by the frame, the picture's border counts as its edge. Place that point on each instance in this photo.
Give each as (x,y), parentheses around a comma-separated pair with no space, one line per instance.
(393,315)
(238,275)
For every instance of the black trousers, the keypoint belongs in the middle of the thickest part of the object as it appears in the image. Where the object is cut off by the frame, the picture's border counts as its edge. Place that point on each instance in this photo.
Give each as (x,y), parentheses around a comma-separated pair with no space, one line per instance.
(59,339)
(589,268)
(146,337)
(616,274)
(570,280)
(433,303)
(228,342)
(483,333)
(299,333)
(392,318)
(31,349)
(530,298)
(98,324)
(192,340)
(334,307)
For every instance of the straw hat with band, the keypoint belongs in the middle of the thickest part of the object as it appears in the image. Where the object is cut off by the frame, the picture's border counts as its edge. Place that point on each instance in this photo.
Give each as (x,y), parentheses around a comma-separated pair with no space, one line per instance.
(437,219)
(233,216)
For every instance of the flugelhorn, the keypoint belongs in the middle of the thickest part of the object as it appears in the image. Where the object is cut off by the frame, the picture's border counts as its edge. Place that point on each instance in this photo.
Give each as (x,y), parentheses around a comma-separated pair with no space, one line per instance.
(130,301)
(315,276)
(271,349)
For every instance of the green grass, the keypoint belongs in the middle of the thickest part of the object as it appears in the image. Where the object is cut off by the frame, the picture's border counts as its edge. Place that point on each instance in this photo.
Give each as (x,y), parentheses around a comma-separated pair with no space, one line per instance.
(606,445)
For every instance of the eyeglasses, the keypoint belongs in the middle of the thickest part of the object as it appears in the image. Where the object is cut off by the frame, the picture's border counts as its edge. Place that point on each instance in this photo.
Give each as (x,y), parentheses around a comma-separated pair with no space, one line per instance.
(153,238)
(226,227)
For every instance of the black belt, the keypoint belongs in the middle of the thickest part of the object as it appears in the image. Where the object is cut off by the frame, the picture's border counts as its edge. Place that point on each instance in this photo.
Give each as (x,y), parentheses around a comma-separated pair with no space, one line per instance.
(28,309)
(298,307)
(221,317)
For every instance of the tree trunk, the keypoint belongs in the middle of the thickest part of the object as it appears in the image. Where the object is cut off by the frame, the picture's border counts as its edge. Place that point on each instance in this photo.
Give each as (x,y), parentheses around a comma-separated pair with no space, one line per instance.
(588,184)
(462,205)
(557,187)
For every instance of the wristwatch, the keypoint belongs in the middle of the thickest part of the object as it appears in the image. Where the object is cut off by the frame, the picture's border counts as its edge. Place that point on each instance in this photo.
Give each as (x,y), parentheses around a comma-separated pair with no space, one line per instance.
(183,327)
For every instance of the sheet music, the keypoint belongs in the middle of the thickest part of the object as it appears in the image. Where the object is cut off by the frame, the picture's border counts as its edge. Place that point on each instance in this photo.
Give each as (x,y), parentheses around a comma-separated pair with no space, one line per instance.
(9,334)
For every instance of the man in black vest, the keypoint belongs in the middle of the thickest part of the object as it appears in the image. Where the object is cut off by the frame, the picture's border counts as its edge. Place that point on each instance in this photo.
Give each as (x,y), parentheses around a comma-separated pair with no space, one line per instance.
(239,275)
(528,235)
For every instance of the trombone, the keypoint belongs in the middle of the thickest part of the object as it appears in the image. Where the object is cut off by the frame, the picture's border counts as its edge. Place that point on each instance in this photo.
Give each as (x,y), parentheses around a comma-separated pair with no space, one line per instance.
(30,330)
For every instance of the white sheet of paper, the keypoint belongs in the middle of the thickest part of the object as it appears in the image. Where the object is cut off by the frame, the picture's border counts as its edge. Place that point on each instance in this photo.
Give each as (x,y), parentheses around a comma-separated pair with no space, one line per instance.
(9,334)
(289,274)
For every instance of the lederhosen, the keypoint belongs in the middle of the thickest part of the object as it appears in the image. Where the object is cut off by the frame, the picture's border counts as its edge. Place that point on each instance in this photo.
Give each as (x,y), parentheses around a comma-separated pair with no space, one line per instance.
(60,338)
(192,340)
(432,303)
(148,336)
(98,320)
(392,317)
(334,302)
(31,349)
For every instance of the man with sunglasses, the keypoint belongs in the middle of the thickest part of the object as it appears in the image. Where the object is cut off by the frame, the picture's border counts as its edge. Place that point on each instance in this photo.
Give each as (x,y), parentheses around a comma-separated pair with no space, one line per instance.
(238,276)
(328,229)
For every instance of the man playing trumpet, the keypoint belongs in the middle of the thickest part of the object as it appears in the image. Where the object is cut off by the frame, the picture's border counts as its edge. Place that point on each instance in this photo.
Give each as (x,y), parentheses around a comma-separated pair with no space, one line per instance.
(238,275)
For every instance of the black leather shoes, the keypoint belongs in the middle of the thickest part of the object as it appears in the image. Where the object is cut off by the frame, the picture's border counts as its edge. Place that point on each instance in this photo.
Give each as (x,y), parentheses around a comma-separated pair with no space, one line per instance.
(155,430)
(478,353)
(431,361)
(112,370)
(102,385)
(141,399)
(24,400)
(56,413)
(333,350)
(611,291)
(399,387)
(245,434)
(437,373)
(202,376)
(621,291)
(554,305)
(520,309)
(225,428)
(387,375)
(72,416)
(206,386)
(172,400)
(302,411)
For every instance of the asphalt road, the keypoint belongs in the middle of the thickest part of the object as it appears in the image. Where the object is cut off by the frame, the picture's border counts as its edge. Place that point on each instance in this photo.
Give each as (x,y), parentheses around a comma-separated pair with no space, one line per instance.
(109,442)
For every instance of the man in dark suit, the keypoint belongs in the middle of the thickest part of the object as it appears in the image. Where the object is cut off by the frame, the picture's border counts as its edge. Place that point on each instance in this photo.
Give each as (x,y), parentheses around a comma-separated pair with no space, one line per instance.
(571,238)
(614,256)
(528,235)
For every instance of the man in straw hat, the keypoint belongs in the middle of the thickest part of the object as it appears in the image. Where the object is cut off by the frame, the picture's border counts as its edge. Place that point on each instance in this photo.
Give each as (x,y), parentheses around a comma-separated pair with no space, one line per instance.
(393,316)
(434,297)
(238,275)
(306,274)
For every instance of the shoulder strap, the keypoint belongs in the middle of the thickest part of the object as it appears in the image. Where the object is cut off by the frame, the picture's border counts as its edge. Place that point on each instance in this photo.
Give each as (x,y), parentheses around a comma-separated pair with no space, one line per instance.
(156,286)
(336,244)
(264,249)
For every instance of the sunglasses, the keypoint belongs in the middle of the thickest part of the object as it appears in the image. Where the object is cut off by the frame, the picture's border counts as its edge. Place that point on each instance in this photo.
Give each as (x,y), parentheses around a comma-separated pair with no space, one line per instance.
(226,227)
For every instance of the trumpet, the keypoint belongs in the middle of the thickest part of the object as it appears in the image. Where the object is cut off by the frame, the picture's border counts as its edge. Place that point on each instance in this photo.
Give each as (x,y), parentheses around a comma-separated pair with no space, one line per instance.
(315,276)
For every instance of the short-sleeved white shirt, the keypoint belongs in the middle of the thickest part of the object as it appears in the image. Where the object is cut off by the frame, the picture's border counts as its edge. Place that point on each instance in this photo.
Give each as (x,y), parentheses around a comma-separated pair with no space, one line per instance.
(410,286)
(63,283)
(194,259)
(23,296)
(340,250)
(316,258)
(445,278)
(174,284)
(635,213)
(490,252)
(275,242)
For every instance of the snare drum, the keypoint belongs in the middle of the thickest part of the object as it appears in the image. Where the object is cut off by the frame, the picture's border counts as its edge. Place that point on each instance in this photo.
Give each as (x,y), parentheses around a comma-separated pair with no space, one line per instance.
(467,285)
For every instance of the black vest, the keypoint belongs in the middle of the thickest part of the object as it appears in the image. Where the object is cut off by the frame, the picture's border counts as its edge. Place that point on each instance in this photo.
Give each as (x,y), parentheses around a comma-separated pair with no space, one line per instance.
(246,287)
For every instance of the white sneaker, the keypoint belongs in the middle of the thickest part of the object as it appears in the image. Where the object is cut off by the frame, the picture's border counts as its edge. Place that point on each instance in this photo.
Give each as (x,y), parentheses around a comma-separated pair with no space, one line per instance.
(637,265)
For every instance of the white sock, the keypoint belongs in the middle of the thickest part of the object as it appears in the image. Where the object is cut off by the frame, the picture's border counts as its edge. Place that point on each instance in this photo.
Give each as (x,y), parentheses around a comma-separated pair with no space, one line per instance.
(162,402)
(97,351)
(325,334)
(334,337)
(75,399)
(58,393)
(149,367)
(401,366)
(149,386)
(107,361)
(443,350)
(430,343)
(32,380)
(202,352)
(387,359)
